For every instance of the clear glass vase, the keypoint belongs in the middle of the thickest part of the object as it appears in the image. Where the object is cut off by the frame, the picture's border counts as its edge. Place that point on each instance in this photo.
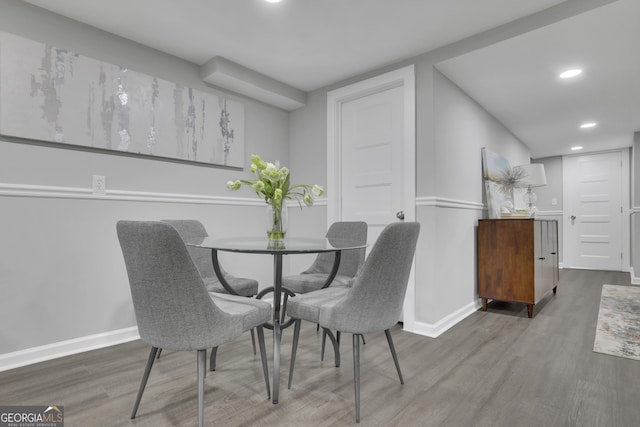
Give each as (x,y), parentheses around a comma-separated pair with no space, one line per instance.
(277,221)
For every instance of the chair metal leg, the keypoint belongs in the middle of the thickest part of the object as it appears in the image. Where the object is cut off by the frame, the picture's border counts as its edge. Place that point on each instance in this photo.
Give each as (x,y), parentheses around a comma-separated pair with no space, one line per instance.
(212,359)
(143,382)
(294,349)
(159,353)
(263,357)
(277,340)
(336,346)
(284,307)
(356,373)
(324,341)
(202,368)
(253,342)
(393,353)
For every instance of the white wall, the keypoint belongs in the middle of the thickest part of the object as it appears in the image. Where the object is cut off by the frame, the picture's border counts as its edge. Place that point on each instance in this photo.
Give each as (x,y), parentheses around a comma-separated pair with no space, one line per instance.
(61,271)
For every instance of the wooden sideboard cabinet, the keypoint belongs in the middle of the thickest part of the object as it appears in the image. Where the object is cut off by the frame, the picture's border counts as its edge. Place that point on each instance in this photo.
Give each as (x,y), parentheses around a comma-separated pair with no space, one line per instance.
(517,260)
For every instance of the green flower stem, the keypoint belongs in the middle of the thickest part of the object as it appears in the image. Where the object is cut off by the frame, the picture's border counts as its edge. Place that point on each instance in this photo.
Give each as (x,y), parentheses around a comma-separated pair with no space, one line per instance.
(276,232)
(272,183)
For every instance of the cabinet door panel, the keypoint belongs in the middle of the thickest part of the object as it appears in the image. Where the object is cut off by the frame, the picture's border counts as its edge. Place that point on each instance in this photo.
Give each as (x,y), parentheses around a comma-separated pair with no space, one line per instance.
(553,236)
(505,260)
(517,260)
(539,231)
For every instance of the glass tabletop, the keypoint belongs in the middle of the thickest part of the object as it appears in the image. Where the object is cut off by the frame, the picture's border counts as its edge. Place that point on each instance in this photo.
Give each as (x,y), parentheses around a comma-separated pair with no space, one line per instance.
(290,245)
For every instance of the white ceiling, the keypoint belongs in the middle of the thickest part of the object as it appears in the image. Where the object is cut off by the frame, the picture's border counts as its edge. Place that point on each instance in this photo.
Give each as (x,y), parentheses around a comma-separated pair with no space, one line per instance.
(309,44)
(517,81)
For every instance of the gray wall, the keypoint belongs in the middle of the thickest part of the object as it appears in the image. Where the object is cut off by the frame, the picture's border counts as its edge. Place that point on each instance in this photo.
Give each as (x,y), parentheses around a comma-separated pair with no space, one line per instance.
(635,209)
(461,128)
(553,189)
(61,271)
(451,130)
(448,177)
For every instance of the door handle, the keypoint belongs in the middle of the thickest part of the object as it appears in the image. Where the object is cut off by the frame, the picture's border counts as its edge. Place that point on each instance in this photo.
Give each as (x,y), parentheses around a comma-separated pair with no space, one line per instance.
(573,219)
(400,215)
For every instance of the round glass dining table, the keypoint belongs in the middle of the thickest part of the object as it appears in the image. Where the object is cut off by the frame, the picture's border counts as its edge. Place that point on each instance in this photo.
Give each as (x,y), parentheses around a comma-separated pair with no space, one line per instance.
(276,248)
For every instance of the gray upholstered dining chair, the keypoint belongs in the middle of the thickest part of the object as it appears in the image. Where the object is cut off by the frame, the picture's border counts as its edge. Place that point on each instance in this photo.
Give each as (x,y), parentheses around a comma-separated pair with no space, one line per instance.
(192,231)
(316,275)
(373,303)
(172,306)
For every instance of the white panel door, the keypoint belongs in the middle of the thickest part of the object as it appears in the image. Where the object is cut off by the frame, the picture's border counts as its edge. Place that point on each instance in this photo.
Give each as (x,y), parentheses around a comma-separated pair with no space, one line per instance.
(593,200)
(372,158)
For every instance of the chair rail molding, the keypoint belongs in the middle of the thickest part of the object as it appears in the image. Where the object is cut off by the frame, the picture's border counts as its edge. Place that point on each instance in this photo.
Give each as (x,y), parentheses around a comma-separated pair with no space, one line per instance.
(444,202)
(56,192)
(550,213)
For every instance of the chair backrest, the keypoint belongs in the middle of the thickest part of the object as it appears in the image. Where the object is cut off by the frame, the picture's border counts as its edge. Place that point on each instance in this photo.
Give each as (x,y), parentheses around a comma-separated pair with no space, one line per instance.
(172,306)
(192,231)
(350,261)
(375,300)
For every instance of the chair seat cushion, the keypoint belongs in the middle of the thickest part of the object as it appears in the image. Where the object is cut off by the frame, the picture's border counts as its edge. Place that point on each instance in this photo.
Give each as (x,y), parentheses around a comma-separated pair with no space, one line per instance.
(244,287)
(253,312)
(308,282)
(307,306)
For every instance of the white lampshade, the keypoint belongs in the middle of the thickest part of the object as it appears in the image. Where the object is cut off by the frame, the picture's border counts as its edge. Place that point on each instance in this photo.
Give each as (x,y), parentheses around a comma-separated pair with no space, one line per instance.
(535,175)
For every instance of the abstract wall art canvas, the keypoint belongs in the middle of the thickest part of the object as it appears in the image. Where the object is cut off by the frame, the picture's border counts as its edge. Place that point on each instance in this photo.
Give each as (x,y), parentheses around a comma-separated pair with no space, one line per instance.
(493,166)
(55,95)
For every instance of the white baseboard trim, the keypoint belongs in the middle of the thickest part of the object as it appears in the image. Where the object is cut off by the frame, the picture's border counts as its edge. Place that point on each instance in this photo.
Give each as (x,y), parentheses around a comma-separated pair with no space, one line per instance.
(434,330)
(634,280)
(65,348)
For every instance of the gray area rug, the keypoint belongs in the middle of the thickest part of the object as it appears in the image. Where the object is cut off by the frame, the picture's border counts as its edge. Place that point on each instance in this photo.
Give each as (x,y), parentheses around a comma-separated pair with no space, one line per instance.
(618,330)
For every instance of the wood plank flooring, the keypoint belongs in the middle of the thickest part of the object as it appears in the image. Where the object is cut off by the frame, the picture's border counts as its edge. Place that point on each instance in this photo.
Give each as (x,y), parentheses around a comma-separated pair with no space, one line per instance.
(495,368)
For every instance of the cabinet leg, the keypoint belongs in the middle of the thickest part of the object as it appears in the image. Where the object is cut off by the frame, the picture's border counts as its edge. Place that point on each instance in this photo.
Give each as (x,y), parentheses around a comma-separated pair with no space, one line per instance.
(530,310)
(484,304)
(555,288)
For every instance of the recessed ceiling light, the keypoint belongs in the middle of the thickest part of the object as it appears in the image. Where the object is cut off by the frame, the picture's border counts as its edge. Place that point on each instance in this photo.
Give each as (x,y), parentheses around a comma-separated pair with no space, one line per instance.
(570,73)
(273,1)
(577,147)
(588,125)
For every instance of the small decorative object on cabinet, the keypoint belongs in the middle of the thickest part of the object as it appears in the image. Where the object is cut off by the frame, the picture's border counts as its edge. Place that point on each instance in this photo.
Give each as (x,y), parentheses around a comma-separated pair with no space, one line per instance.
(517,260)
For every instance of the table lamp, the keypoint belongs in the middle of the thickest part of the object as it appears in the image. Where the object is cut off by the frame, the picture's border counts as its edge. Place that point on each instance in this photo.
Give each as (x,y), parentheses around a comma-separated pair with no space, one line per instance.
(535,177)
